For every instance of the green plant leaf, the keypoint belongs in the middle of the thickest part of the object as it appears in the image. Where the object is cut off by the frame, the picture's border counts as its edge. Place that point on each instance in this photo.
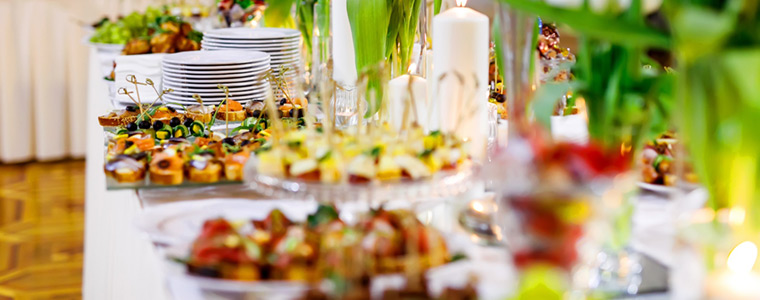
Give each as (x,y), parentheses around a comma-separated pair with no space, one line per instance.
(278,14)
(605,27)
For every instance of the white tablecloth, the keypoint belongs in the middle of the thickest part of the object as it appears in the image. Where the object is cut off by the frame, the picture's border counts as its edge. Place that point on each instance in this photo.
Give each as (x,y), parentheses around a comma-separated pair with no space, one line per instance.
(120,262)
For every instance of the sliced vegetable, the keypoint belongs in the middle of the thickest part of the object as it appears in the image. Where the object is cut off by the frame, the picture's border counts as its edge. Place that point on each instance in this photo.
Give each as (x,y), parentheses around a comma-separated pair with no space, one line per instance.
(163,134)
(181,131)
(197,128)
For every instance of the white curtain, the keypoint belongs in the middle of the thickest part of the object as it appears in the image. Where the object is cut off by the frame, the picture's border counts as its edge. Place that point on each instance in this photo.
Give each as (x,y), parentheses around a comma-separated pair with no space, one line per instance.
(43,74)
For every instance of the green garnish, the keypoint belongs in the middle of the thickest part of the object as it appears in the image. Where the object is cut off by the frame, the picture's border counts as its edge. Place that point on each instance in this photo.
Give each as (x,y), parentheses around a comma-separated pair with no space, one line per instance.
(325,157)
(197,129)
(659,159)
(181,131)
(163,134)
(248,123)
(427,152)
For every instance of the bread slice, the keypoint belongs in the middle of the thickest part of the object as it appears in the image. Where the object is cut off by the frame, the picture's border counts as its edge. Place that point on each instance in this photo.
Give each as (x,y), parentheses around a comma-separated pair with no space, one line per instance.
(166,177)
(232,116)
(197,113)
(125,175)
(115,119)
(212,173)
(233,172)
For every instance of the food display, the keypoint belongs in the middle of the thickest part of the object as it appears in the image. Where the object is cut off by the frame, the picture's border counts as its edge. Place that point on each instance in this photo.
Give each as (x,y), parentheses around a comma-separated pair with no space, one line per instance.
(342,157)
(555,63)
(323,248)
(125,29)
(165,146)
(657,158)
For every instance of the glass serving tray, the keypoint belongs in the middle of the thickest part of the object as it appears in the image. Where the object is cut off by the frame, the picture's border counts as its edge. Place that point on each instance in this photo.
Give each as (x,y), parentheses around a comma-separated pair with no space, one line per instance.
(442,184)
(112,184)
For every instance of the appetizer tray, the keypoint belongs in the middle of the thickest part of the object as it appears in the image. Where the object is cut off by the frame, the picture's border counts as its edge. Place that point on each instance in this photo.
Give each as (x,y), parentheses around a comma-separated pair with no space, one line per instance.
(442,184)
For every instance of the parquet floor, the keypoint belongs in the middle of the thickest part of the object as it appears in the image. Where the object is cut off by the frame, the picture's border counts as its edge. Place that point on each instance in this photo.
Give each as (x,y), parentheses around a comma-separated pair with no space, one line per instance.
(41,230)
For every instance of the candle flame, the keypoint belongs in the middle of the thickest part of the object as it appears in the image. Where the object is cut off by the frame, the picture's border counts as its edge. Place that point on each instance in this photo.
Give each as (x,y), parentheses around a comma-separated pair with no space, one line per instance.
(742,258)
(411,68)
(461,3)
(478,207)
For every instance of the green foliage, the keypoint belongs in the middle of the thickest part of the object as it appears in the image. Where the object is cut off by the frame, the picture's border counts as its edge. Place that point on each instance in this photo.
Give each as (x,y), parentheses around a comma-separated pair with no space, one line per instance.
(278,14)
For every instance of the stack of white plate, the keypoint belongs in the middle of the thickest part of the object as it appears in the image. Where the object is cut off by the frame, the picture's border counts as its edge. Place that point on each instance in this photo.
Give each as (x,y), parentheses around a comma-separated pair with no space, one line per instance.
(200,72)
(283,45)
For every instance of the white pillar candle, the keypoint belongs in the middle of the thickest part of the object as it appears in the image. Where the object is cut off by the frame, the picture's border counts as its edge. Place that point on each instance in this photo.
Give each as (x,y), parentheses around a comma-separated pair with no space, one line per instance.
(461,48)
(344,61)
(400,98)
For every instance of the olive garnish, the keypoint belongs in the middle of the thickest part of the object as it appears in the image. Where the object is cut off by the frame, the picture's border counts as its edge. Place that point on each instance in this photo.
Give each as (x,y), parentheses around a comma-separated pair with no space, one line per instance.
(175,122)
(171,109)
(144,124)
(131,108)
(229,141)
(158,125)
(188,122)
(256,113)
(128,144)
(164,164)
(131,126)
(283,101)
(245,143)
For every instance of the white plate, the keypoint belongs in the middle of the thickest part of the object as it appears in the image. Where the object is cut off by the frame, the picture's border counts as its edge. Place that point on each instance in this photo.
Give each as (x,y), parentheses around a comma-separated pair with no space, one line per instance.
(244,33)
(215,84)
(214,89)
(239,44)
(270,51)
(213,74)
(273,52)
(231,68)
(213,101)
(205,80)
(206,58)
(219,93)
(251,41)
(211,82)
(664,189)
(262,48)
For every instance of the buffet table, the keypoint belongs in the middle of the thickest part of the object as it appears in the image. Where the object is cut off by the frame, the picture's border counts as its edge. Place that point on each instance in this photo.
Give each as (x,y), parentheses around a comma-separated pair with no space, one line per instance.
(122,263)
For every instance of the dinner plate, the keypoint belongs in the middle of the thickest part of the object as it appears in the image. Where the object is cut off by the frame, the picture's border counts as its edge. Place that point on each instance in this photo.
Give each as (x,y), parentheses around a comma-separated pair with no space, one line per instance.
(215,94)
(245,33)
(214,101)
(267,45)
(262,48)
(182,221)
(209,58)
(208,89)
(213,74)
(231,68)
(215,84)
(213,80)
(252,41)
(274,53)
(664,189)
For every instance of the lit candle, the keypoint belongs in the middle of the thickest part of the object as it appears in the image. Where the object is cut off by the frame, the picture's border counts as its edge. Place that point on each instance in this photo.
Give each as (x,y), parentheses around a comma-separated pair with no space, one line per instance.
(460,54)
(739,282)
(407,92)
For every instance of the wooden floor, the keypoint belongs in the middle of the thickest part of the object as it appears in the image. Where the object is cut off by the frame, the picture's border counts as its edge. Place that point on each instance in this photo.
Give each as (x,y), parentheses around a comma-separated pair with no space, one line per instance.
(41,230)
